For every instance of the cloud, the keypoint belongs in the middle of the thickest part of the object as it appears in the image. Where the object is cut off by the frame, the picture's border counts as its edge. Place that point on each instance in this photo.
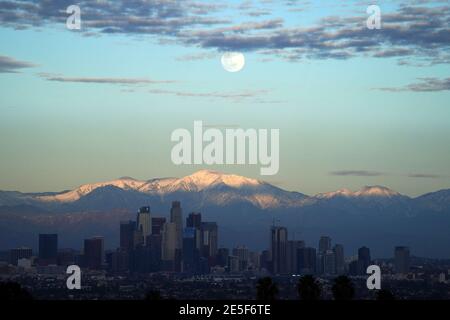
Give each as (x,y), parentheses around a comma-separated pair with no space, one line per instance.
(197,56)
(424,175)
(409,31)
(238,96)
(425,85)
(123,81)
(357,173)
(10,65)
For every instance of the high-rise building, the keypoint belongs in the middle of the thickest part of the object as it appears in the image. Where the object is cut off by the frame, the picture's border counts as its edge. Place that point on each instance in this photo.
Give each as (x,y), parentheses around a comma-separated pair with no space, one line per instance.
(338,250)
(190,251)
(209,239)
(401,260)
(254,261)
(48,249)
(324,244)
(144,222)
(176,216)
(194,220)
(329,262)
(291,256)
(279,237)
(243,255)
(222,256)
(363,260)
(127,234)
(157,224)
(154,242)
(306,260)
(119,261)
(19,253)
(94,253)
(233,264)
(169,239)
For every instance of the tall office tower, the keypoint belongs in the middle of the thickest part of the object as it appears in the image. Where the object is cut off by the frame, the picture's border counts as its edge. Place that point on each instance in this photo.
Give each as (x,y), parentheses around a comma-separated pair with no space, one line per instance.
(154,242)
(363,260)
(265,260)
(324,244)
(278,245)
(19,253)
(306,260)
(222,256)
(169,239)
(401,260)
(119,260)
(329,262)
(233,264)
(209,239)
(194,220)
(190,251)
(254,261)
(94,252)
(291,257)
(127,234)
(48,249)
(157,224)
(176,216)
(144,222)
(66,257)
(243,255)
(338,250)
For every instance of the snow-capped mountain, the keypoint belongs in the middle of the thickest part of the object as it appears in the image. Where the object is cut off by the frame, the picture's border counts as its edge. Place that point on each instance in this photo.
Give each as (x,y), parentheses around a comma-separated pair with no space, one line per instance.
(214,187)
(244,208)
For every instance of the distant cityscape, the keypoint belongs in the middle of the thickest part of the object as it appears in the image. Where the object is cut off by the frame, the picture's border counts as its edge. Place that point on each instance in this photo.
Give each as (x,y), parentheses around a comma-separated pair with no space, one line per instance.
(162,251)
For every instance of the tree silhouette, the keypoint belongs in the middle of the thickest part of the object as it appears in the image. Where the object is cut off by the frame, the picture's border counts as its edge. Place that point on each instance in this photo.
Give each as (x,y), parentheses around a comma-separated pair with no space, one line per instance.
(153,295)
(12,291)
(309,288)
(266,289)
(343,288)
(385,295)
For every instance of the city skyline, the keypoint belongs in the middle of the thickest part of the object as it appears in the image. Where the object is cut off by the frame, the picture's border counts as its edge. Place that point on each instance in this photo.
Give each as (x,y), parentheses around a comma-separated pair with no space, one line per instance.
(286,256)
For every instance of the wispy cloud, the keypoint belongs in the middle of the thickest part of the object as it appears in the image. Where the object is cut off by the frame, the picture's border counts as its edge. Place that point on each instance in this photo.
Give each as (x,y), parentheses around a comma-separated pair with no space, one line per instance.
(424,85)
(11,65)
(357,173)
(197,56)
(238,96)
(107,80)
(425,175)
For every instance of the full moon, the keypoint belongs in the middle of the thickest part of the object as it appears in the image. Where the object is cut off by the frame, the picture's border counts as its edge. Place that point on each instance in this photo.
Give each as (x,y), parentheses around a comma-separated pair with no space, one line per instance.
(233,61)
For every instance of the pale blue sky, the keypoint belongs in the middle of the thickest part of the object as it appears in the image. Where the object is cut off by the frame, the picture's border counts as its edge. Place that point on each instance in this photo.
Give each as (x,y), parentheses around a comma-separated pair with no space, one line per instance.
(332,117)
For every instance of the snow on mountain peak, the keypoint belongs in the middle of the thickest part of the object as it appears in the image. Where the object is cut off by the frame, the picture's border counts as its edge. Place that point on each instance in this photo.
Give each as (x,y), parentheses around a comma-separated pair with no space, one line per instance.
(125,183)
(367,191)
(206,178)
(376,191)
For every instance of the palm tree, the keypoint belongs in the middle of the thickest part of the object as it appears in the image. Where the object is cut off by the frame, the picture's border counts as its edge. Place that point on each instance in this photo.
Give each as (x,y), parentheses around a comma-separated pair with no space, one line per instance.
(266,289)
(343,288)
(309,288)
(385,295)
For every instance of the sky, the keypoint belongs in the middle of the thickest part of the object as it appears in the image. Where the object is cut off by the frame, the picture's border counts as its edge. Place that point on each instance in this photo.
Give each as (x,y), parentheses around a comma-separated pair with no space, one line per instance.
(354,106)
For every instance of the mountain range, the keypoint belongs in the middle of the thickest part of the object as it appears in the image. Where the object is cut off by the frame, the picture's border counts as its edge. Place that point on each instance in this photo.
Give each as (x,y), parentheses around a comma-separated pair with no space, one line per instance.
(244,208)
